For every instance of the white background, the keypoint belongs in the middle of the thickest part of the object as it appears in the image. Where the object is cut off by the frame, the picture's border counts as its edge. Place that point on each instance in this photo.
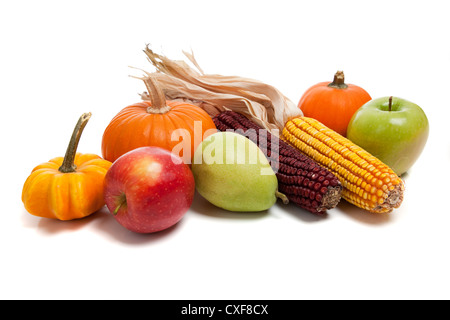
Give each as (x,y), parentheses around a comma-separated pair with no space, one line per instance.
(59,59)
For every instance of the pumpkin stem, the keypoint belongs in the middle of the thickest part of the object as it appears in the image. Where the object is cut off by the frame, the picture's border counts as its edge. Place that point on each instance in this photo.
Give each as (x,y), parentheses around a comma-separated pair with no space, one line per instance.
(157,97)
(390,103)
(338,81)
(68,164)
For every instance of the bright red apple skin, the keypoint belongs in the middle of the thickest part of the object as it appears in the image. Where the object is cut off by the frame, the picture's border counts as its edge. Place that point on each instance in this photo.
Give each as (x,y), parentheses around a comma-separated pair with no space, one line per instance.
(149,189)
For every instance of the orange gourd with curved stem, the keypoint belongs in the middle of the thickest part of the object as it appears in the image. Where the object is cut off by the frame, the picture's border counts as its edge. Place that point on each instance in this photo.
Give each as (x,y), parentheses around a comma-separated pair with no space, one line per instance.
(154,123)
(67,188)
(333,104)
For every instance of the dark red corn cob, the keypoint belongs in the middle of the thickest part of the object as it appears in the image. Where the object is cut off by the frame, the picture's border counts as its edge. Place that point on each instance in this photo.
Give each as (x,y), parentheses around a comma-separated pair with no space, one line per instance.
(300,178)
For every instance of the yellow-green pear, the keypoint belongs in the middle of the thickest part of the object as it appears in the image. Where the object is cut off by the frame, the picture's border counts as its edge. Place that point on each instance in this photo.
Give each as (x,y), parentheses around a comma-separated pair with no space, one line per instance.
(233,173)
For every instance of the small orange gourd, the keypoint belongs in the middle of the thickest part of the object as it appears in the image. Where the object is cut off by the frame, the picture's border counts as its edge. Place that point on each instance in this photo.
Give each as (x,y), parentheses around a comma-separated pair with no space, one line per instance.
(67,188)
(333,104)
(158,122)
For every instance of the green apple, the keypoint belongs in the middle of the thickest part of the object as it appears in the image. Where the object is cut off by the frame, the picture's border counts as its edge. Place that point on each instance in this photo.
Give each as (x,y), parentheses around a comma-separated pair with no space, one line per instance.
(392,129)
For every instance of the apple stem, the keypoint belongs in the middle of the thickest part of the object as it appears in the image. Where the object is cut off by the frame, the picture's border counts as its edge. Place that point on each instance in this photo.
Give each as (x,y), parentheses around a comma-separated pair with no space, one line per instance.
(390,103)
(117,209)
(123,201)
(282,196)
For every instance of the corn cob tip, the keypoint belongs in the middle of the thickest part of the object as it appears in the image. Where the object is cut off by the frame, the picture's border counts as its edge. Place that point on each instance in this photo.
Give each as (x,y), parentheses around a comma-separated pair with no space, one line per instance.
(393,200)
(331,198)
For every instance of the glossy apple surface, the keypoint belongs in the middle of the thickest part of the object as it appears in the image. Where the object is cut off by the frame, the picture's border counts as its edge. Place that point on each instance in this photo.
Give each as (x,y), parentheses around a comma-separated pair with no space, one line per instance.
(149,189)
(396,136)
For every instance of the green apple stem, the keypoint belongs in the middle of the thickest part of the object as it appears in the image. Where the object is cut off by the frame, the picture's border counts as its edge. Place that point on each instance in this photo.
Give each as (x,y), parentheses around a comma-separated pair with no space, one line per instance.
(390,103)
(282,196)
(338,81)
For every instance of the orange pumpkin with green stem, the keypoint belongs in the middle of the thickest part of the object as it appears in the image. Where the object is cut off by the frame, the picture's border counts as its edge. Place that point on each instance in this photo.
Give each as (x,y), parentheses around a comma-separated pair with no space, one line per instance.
(67,188)
(333,104)
(155,123)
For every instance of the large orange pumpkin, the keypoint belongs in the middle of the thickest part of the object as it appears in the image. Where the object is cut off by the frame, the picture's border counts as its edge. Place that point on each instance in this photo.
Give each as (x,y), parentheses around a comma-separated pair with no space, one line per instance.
(175,126)
(333,103)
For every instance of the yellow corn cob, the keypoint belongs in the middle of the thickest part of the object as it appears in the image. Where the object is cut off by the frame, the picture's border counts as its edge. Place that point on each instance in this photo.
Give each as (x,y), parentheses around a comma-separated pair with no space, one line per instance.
(368,183)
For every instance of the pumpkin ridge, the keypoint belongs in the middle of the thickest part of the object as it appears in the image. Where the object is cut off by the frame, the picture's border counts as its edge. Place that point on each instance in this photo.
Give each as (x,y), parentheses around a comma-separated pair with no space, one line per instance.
(53,193)
(125,114)
(189,127)
(53,163)
(146,123)
(29,184)
(197,113)
(200,115)
(191,112)
(127,137)
(179,119)
(77,200)
(123,136)
(94,165)
(82,158)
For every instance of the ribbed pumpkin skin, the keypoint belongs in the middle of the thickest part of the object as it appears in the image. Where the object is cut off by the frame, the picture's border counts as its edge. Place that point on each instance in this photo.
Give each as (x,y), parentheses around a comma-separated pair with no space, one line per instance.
(49,193)
(134,127)
(332,106)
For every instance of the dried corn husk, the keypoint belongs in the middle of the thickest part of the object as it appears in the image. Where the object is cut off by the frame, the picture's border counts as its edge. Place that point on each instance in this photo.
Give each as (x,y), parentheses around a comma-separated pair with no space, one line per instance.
(216,93)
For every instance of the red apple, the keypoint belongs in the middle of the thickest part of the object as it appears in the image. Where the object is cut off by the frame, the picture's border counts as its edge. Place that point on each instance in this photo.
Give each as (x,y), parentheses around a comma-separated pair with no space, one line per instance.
(149,189)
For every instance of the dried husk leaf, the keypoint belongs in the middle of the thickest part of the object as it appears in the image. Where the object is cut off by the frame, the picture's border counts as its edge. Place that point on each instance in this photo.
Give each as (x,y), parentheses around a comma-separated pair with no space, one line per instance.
(215,93)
